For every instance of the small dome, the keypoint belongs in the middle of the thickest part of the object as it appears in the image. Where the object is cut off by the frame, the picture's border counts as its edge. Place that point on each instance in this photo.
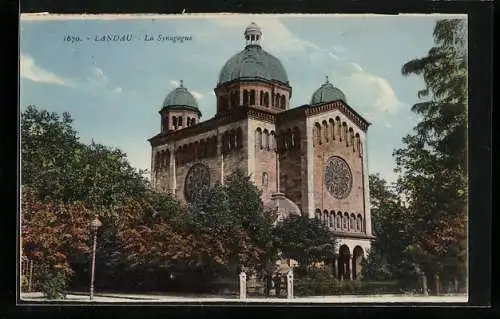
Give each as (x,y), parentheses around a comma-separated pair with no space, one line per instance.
(180,97)
(327,93)
(284,206)
(253,62)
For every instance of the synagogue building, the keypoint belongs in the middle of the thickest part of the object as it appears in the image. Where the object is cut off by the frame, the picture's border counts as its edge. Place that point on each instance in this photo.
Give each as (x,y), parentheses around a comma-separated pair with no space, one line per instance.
(309,159)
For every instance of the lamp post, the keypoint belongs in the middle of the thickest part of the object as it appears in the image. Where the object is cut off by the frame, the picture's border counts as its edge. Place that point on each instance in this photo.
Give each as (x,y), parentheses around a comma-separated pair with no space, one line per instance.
(95,224)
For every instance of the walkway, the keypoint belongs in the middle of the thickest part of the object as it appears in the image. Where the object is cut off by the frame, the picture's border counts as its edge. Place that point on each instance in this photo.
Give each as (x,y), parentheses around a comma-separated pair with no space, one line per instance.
(130,298)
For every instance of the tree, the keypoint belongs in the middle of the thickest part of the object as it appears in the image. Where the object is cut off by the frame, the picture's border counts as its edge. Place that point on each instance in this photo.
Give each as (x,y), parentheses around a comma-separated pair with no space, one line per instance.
(234,213)
(50,233)
(57,168)
(387,259)
(433,160)
(305,240)
(60,167)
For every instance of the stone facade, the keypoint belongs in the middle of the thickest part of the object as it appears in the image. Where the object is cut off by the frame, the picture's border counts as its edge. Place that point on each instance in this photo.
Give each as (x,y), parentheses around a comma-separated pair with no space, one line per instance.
(313,154)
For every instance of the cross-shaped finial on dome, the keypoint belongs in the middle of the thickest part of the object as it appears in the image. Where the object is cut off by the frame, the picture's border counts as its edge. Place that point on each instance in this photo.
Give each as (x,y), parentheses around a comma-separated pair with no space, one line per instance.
(327,79)
(181,83)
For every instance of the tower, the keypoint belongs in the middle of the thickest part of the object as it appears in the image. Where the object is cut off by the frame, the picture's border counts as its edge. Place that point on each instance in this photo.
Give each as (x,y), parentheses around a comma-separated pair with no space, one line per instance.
(179,110)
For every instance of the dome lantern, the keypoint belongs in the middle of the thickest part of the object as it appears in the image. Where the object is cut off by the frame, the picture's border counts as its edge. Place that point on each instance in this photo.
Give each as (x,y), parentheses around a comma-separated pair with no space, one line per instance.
(253,62)
(253,34)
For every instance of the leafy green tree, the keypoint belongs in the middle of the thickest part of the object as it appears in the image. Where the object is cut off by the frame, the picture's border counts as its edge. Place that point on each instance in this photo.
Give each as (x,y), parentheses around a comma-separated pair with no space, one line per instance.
(305,240)
(234,213)
(57,168)
(433,162)
(51,232)
(387,259)
(60,167)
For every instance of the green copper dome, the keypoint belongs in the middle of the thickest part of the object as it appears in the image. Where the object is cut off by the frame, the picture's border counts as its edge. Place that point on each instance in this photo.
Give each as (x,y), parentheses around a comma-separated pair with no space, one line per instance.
(253,62)
(180,97)
(327,93)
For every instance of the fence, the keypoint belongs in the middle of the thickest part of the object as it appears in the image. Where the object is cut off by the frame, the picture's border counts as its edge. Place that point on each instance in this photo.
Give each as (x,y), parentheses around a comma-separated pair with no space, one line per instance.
(26,274)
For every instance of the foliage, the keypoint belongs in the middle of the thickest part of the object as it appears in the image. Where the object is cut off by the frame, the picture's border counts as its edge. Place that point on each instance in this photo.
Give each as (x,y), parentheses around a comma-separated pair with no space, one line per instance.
(315,282)
(304,239)
(433,159)
(390,222)
(63,179)
(61,168)
(54,285)
(233,216)
(50,233)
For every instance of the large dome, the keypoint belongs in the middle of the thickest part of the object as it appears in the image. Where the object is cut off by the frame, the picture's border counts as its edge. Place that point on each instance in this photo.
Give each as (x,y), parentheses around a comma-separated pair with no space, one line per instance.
(253,62)
(180,97)
(327,93)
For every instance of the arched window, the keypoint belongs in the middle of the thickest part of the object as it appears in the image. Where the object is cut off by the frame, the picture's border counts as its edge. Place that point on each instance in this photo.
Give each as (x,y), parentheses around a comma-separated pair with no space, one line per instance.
(331,223)
(230,142)
(317,214)
(296,138)
(339,221)
(238,139)
(345,222)
(191,152)
(252,97)
(193,121)
(283,102)
(174,122)
(266,99)
(196,151)
(339,128)
(180,121)
(272,141)
(318,135)
(357,141)
(166,162)
(351,138)
(188,122)
(315,135)
(265,139)
(331,124)
(203,148)
(345,134)
(359,223)
(258,137)
(290,137)
(325,131)
(325,217)
(261,97)
(245,97)
(352,222)
(265,179)
(157,160)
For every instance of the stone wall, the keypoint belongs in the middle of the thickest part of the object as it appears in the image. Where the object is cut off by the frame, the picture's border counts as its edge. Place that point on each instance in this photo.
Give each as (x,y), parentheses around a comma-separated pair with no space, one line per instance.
(328,140)
(262,156)
(221,166)
(293,160)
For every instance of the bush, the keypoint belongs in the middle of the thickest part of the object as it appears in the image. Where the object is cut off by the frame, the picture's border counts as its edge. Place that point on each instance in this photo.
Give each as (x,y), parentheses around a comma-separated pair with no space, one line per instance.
(315,282)
(54,286)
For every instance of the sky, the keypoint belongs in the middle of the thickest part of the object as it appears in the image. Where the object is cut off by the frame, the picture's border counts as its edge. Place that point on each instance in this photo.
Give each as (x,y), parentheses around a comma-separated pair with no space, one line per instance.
(114,90)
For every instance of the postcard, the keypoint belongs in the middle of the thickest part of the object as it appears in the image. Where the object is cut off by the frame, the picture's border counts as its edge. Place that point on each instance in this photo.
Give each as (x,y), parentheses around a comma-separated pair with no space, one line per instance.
(243,158)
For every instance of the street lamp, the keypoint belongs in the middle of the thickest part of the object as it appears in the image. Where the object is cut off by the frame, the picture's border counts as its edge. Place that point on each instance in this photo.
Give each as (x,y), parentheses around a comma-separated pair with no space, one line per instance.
(94,225)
